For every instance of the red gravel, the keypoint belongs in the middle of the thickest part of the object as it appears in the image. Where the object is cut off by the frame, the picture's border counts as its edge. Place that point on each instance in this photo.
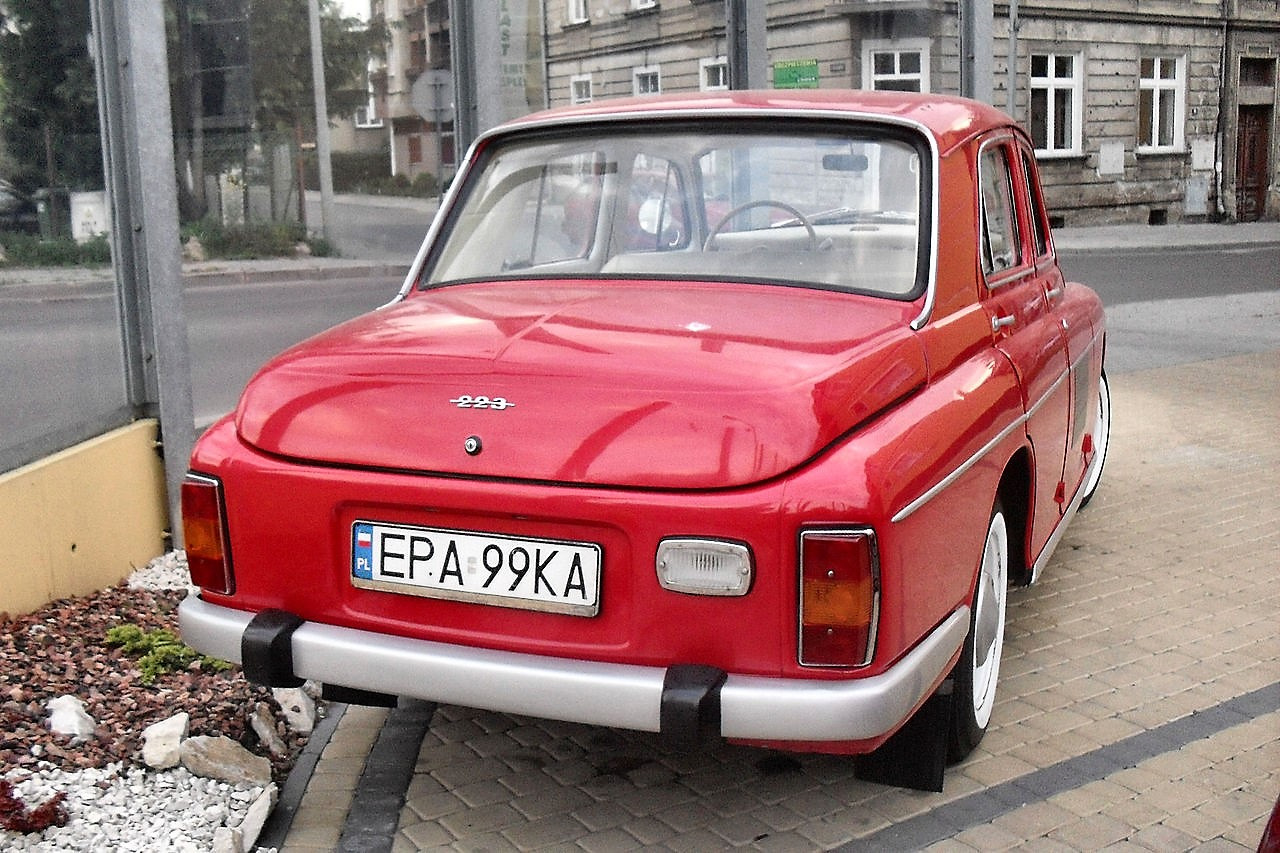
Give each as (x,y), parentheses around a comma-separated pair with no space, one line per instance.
(61,649)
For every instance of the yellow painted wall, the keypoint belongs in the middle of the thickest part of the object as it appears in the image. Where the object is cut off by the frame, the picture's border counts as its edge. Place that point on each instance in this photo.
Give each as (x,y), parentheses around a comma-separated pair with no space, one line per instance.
(81,520)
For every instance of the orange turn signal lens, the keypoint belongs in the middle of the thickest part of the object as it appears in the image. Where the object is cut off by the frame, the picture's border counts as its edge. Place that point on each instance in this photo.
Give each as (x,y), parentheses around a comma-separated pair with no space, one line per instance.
(839,597)
(205,532)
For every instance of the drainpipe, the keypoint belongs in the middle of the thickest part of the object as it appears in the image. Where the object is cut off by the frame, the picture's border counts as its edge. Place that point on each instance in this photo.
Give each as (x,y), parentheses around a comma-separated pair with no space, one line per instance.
(1012,94)
(1224,102)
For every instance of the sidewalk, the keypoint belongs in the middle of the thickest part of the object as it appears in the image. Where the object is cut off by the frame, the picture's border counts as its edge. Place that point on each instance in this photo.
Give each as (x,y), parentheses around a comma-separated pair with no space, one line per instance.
(1139,704)
(1099,238)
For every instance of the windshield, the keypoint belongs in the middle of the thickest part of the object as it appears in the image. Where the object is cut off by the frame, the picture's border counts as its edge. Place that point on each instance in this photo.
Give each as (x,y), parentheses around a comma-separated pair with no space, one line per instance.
(808,208)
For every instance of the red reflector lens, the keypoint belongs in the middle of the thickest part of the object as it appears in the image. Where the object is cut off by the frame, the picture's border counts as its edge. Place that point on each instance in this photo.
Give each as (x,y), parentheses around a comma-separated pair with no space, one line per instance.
(203,526)
(839,597)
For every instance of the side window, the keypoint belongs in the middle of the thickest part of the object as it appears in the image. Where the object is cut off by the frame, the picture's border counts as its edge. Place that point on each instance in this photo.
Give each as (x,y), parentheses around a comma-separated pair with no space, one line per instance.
(1001,244)
(1039,219)
(656,215)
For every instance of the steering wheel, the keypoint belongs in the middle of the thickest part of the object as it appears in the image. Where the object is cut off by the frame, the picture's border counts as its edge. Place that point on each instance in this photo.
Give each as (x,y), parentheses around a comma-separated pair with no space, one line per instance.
(742,208)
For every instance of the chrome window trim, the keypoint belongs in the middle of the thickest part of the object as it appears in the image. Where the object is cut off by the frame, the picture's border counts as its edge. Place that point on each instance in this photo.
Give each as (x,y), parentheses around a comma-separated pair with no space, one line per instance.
(451,196)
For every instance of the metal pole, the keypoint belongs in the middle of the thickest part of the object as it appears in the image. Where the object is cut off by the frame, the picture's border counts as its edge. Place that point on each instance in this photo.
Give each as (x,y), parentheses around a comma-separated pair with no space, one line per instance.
(746,31)
(462,52)
(323,148)
(137,152)
(977,20)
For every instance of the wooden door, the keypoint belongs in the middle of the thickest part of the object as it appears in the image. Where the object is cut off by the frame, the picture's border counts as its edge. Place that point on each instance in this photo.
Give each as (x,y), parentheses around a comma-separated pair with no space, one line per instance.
(1252,145)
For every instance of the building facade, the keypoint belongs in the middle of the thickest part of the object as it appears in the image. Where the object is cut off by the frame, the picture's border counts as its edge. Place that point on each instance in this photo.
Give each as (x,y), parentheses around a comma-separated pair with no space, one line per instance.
(417,49)
(1159,111)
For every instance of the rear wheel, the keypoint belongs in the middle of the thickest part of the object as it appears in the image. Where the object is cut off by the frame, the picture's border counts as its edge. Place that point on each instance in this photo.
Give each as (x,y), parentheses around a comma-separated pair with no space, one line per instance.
(1101,438)
(978,670)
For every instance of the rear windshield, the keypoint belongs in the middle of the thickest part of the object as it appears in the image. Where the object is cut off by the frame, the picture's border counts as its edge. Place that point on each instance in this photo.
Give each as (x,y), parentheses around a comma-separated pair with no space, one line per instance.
(816,207)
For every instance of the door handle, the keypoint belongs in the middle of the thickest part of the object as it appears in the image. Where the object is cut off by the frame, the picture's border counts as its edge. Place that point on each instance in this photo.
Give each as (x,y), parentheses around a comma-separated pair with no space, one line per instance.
(998,323)
(1054,293)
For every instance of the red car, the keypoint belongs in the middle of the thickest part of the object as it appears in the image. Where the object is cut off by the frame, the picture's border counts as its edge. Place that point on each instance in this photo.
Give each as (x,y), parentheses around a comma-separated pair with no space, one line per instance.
(731,415)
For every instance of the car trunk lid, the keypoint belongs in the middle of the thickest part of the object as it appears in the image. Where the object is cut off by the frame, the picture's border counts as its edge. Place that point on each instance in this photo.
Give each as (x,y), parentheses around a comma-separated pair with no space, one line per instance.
(623,383)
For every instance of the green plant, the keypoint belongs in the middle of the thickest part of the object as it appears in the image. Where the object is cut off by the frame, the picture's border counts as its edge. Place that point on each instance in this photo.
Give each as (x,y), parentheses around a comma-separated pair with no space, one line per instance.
(29,250)
(160,651)
(244,242)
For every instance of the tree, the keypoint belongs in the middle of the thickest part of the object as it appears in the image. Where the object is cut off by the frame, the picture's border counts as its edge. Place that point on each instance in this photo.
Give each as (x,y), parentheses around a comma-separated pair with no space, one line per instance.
(50,116)
(237,63)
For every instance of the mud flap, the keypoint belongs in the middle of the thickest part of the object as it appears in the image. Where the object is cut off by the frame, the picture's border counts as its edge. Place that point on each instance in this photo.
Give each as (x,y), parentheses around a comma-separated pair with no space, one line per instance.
(916,756)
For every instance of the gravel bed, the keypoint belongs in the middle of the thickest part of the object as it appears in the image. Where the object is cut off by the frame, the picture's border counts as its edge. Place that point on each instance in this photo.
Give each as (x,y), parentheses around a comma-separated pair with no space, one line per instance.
(113,801)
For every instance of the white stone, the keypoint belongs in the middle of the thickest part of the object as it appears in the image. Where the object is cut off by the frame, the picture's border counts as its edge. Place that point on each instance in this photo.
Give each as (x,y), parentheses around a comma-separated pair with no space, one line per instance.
(264,726)
(227,840)
(162,741)
(299,709)
(256,817)
(67,717)
(222,758)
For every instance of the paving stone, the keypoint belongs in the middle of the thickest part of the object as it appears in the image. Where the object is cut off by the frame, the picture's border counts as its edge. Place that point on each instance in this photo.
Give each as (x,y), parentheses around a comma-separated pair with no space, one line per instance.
(544,832)
(609,841)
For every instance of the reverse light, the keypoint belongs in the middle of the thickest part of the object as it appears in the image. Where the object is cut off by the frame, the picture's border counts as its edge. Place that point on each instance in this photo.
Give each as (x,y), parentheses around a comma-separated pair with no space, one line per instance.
(205,529)
(704,566)
(839,597)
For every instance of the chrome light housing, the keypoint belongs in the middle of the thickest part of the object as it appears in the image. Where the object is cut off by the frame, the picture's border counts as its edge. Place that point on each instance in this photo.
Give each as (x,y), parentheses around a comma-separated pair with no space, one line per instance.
(705,566)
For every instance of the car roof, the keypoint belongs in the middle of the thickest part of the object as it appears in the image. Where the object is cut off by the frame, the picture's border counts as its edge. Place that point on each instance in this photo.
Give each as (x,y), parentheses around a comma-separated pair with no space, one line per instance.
(950,120)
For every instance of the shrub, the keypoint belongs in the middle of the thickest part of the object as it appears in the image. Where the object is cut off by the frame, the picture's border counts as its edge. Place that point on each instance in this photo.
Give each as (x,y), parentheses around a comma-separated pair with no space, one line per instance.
(246,242)
(29,250)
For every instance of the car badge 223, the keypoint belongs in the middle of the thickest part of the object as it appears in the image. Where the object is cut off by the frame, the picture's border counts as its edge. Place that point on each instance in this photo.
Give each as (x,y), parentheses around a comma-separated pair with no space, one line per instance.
(467,401)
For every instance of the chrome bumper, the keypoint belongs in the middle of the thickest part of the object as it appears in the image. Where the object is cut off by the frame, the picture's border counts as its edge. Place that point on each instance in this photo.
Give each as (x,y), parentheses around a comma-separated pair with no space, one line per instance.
(603,694)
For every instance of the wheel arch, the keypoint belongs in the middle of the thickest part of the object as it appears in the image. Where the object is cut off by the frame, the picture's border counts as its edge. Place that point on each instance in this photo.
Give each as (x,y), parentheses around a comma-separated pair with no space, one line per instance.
(1015,494)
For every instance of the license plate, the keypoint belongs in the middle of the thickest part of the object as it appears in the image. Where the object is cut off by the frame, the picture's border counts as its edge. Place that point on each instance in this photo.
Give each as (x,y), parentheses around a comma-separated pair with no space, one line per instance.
(486,568)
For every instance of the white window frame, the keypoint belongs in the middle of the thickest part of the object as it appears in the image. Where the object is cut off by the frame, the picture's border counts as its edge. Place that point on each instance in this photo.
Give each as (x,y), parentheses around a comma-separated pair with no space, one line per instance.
(645,71)
(577,12)
(644,4)
(871,47)
(574,82)
(1054,87)
(720,62)
(1158,87)
(367,117)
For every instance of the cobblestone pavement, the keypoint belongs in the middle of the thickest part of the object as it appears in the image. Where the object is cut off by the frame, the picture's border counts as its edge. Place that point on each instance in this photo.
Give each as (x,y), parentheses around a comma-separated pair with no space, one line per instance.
(1139,704)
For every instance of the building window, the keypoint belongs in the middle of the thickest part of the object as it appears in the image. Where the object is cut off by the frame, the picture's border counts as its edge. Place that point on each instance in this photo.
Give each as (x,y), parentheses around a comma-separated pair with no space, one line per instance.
(646,80)
(1057,96)
(415,148)
(713,74)
(897,66)
(1162,103)
(580,89)
(578,12)
(367,116)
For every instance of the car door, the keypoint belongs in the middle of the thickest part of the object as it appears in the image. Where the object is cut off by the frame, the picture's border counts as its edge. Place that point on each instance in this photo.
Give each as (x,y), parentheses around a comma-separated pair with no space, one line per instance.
(1072,317)
(1023,326)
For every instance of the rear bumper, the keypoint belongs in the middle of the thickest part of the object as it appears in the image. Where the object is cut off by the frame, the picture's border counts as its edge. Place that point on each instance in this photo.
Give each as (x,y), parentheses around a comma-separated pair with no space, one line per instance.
(605,694)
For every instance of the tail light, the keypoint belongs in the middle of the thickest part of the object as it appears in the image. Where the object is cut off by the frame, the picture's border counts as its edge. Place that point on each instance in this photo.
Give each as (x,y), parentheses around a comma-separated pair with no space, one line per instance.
(204,524)
(839,597)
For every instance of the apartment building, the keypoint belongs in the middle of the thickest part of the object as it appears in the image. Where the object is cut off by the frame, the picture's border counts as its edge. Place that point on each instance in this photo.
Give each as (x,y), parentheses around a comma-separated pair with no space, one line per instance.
(417,52)
(1154,111)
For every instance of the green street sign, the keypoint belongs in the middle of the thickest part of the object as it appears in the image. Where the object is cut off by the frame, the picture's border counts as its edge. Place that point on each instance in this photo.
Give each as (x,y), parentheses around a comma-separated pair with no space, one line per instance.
(795,74)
